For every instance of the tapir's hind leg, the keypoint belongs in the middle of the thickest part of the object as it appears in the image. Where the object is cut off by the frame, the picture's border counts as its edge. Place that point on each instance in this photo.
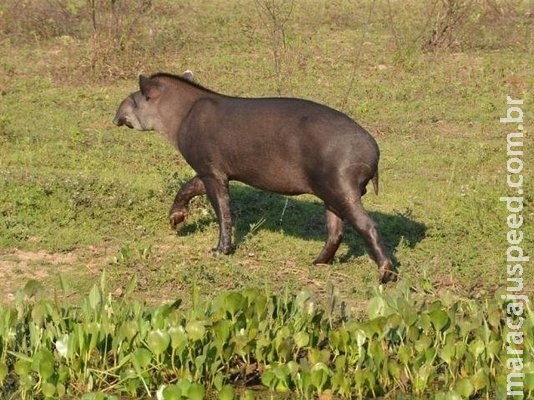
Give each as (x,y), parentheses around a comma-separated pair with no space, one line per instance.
(179,209)
(366,227)
(334,227)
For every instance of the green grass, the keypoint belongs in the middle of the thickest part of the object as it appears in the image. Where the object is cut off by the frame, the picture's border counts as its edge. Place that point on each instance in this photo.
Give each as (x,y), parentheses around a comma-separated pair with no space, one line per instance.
(73,184)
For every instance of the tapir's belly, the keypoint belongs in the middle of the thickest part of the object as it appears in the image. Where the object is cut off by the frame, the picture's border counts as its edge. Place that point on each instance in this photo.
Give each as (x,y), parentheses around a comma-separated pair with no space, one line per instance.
(273,179)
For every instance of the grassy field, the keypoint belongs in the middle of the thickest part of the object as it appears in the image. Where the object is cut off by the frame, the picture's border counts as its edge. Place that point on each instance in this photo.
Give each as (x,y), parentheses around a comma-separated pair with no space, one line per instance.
(429,80)
(79,196)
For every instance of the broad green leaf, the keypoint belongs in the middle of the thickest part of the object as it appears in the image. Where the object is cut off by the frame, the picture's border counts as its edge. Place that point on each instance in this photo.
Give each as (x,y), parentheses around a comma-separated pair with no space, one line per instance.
(360,378)
(195,330)
(341,363)
(319,375)
(281,372)
(26,381)
(341,384)
(447,353)
(376,352)
(39,313)
(240,341)
(94,331)
(260,307)
(281,386)
(318,356)
(476,347)
(304,382)
(61,390)
(170,392)
(493,348)
(178,337)
(464,387)
(394,369)
(196,391)
(95,298)
(234,302)
(247,395)
(63,373)
(494,318)
(393,321)
(459,350)
(268,377)
(132,384)
(129,329)
(425,322)
(158,341)
(142,357)
(404,353)
(184,385)
(421,378)
(23,367)
(48,389)
(360,337)
(407,313)
(440,319)
(221,329)
(376,307)
(226,393)
(452,395)
(301,338)
(480,379)
(293,368)
(413,333)
(200,361)
(374,327)
(423,343)
(43,363)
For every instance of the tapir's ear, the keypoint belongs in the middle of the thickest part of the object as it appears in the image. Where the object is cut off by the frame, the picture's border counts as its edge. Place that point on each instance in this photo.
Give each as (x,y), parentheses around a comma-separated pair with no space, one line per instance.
(149,87)
(188,75)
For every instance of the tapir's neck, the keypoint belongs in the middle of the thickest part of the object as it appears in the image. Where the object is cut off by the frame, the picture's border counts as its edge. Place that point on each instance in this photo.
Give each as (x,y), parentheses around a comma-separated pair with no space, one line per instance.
(175,105)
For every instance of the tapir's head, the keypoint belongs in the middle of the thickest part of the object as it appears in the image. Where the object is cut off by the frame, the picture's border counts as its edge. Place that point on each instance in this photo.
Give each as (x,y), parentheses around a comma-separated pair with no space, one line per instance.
(140,110)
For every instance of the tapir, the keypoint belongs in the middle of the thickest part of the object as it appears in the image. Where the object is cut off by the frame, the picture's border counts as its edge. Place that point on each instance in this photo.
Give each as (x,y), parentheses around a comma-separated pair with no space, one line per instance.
(289,146)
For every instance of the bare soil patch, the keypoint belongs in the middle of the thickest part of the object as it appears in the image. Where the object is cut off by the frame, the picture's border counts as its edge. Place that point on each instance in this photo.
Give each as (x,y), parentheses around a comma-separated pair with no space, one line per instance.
(17,267)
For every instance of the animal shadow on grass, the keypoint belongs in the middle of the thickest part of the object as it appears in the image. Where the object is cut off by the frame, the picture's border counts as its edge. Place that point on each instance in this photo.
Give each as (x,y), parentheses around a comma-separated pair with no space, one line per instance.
(254,209)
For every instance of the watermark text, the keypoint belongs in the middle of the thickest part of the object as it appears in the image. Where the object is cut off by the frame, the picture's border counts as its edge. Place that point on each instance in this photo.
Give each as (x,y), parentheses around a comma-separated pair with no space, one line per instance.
(516,301)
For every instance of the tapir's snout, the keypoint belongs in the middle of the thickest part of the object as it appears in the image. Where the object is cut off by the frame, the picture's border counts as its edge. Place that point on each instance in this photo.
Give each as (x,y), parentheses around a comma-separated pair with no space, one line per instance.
(121,120)
(128,114)
(124,110)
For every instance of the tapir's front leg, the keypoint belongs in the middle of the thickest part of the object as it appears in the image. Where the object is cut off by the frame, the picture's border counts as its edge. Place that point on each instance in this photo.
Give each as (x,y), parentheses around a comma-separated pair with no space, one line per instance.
(217,191)
(179,209)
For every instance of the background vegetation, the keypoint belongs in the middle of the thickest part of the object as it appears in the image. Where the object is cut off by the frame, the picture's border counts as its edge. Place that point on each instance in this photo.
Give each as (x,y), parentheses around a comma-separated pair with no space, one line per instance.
(429,79)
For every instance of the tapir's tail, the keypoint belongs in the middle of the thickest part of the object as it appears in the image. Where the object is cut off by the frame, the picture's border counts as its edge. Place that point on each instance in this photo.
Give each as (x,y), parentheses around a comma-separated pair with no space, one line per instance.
(375,182)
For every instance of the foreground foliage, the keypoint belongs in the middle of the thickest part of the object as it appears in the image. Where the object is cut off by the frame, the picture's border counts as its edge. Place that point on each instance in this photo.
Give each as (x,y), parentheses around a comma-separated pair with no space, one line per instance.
(107,347)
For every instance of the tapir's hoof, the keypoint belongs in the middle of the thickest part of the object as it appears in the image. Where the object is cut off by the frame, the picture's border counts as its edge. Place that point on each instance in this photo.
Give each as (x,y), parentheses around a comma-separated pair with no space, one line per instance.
(223,250)
(322,261)
(387,272)
(176,219)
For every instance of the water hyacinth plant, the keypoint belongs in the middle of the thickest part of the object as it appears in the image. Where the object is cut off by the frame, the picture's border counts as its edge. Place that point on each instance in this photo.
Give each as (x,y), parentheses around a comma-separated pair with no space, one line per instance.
(110,348)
